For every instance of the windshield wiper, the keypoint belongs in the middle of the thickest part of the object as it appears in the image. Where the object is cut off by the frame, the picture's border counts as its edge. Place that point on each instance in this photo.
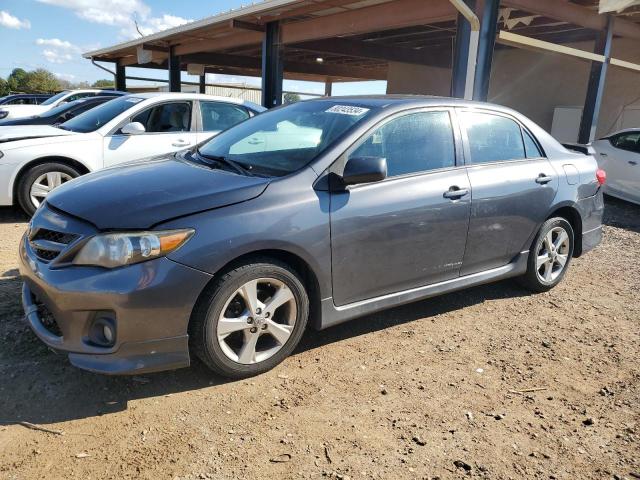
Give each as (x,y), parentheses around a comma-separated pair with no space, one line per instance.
(233,164)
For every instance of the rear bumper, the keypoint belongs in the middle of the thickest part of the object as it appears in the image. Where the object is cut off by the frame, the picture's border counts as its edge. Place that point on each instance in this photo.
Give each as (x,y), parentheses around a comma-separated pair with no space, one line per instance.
(591,239)
(150,304)
(591,211)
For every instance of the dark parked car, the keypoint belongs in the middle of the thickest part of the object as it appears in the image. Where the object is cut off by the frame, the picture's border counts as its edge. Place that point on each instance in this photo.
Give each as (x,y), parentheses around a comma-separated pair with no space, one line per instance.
(61,113)
(315,213)
(25,98)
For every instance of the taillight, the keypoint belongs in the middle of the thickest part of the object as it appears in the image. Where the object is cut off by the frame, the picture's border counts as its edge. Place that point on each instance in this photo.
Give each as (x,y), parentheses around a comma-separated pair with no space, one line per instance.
(601,176)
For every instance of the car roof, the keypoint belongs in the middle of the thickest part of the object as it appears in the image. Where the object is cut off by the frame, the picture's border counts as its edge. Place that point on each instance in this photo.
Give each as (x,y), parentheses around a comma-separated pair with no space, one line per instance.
(624,130)
(383,101)
(186,95)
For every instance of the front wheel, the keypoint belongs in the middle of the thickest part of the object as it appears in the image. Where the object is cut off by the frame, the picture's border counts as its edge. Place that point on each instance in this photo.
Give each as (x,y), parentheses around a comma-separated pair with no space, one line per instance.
(39,181)
(250,319)
(550,255)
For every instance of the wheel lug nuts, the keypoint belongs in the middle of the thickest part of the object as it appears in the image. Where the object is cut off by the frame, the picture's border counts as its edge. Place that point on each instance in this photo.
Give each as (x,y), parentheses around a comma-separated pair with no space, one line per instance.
(258,310)
(264,327)
(267,315)
(249,320)
(254,330)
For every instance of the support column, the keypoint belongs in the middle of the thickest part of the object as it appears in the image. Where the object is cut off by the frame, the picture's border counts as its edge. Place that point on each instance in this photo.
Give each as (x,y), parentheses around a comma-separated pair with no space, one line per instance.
(203,83)
(597,80)
(488,29)
(174,71)
(461,55)
(328,87)
(120,78)
(272,66)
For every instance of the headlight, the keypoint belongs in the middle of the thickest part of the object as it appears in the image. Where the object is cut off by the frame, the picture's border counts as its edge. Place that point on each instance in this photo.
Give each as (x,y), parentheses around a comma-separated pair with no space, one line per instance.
(111,250)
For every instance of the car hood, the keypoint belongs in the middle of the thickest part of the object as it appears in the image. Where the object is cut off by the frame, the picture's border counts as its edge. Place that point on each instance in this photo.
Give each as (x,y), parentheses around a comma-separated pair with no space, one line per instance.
(19,111)
(28,132)
(141,195)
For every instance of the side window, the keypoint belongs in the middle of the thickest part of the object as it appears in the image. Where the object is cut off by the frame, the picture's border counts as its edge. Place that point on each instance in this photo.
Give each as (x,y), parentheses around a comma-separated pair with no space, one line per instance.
(168,117)
(76,96)
(220,116)
(531,147)
(627,141)
(492,138)
(416,142)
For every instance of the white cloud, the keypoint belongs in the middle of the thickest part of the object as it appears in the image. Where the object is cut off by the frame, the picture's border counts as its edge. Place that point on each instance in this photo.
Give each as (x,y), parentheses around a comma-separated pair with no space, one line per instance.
(58,51)
(107,12)
(120,13)
(9,21)
(65,76)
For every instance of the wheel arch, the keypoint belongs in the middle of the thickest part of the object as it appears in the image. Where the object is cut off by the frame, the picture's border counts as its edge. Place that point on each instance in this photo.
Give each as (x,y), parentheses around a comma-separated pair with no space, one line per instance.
(571,214)
(305,271)
(81,167)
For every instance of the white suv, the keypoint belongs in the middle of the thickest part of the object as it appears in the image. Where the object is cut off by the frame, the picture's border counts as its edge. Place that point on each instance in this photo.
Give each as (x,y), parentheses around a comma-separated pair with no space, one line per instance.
(36,159)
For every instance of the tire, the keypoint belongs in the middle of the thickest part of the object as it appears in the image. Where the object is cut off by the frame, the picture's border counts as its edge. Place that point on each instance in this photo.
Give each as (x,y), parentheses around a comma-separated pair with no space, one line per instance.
(39,174)
(542,276)
(229,354)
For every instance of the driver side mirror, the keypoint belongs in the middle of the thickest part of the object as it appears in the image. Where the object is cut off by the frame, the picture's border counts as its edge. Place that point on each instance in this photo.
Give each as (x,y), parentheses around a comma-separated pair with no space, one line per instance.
(364,170)
(133,128)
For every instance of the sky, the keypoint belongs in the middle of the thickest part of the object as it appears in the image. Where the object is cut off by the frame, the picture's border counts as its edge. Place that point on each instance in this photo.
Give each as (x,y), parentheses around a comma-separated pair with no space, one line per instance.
(53,34)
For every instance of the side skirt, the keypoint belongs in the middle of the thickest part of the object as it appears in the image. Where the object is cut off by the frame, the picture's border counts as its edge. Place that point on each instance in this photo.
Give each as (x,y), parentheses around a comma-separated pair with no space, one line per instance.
(333,315)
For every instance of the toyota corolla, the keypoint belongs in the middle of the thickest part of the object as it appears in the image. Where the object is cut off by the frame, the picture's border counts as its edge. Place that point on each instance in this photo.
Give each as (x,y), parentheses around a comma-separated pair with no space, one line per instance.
(307,215)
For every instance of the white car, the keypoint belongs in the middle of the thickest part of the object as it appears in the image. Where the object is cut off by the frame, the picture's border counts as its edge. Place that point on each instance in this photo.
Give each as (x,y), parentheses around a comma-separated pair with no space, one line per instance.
(619,155)
(36,159)
(21,111)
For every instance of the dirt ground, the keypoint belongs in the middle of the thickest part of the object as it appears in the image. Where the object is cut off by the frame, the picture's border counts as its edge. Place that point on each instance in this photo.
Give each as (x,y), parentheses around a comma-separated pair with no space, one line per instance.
(490,382)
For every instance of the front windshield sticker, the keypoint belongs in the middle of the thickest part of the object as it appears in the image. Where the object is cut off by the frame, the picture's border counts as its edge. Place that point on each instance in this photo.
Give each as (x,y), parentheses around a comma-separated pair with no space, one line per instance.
(347,110)
(133,100)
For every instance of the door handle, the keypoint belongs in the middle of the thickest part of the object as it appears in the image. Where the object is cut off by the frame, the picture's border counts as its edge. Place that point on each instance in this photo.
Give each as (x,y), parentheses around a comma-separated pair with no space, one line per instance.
(543,179)
(455,192)
(603,155)
(632,162)
(181,143)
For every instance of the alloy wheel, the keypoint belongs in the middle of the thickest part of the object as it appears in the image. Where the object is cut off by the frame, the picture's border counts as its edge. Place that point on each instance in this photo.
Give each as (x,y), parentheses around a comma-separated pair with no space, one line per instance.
(256,321)
(45,183)
(553,254)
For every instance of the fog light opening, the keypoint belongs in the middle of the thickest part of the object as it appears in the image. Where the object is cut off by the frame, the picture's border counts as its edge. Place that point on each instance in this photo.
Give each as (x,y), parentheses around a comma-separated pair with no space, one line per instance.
(103,332)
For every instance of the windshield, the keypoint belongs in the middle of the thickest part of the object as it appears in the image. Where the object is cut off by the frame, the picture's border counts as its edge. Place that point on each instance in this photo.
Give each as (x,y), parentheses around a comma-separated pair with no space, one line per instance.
(95,118)
(54,99)
(284,140)
(55,111)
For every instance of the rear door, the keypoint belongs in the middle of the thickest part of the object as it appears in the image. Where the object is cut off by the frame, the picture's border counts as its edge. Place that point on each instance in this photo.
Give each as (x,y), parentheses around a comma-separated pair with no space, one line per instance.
(513,186)
(402,232)
(168,128)
(218,116)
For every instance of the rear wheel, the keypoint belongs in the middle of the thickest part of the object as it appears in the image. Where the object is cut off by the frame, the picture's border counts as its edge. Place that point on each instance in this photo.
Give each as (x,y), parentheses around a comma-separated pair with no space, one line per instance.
(37,182)
(250,319)
(550,255)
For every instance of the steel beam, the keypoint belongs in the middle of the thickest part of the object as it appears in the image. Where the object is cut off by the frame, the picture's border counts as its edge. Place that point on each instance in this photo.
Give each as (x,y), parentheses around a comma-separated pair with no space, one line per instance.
(597,80)
(174,71)
(461,54)
(120,78)
(488,28)
(272,66)
(202,84)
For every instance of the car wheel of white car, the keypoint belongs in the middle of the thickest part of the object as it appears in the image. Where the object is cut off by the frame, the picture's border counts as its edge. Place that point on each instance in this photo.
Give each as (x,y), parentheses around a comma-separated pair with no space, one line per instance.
(37,182)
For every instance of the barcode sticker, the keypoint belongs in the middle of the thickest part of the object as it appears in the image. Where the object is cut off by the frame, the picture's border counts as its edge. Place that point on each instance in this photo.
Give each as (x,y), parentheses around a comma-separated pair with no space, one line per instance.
(347,110)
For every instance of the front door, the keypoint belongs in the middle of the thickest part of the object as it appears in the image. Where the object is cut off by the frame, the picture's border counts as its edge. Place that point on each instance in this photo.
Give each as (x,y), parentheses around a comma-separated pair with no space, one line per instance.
(408,230)
(512,185)
(167,129)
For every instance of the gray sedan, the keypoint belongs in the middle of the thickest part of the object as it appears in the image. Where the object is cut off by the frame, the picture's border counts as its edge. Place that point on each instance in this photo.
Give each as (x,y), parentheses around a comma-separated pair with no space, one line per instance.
(307,215)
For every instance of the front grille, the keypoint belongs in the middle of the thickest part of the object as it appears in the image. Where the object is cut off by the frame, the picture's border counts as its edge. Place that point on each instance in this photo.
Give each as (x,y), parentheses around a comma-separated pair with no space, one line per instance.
(48,320)
(57,237)
(48,244)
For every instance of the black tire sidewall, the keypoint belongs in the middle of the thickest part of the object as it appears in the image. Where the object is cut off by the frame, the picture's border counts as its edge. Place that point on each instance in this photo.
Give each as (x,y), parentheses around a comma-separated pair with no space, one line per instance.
(211,353)
(532,273)
(30,176)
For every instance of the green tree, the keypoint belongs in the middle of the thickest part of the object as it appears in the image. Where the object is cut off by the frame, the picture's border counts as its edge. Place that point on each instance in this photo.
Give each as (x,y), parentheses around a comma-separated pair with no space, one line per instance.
(41,80)
(4,87)
(17,79)
(103,83)
(291,97)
